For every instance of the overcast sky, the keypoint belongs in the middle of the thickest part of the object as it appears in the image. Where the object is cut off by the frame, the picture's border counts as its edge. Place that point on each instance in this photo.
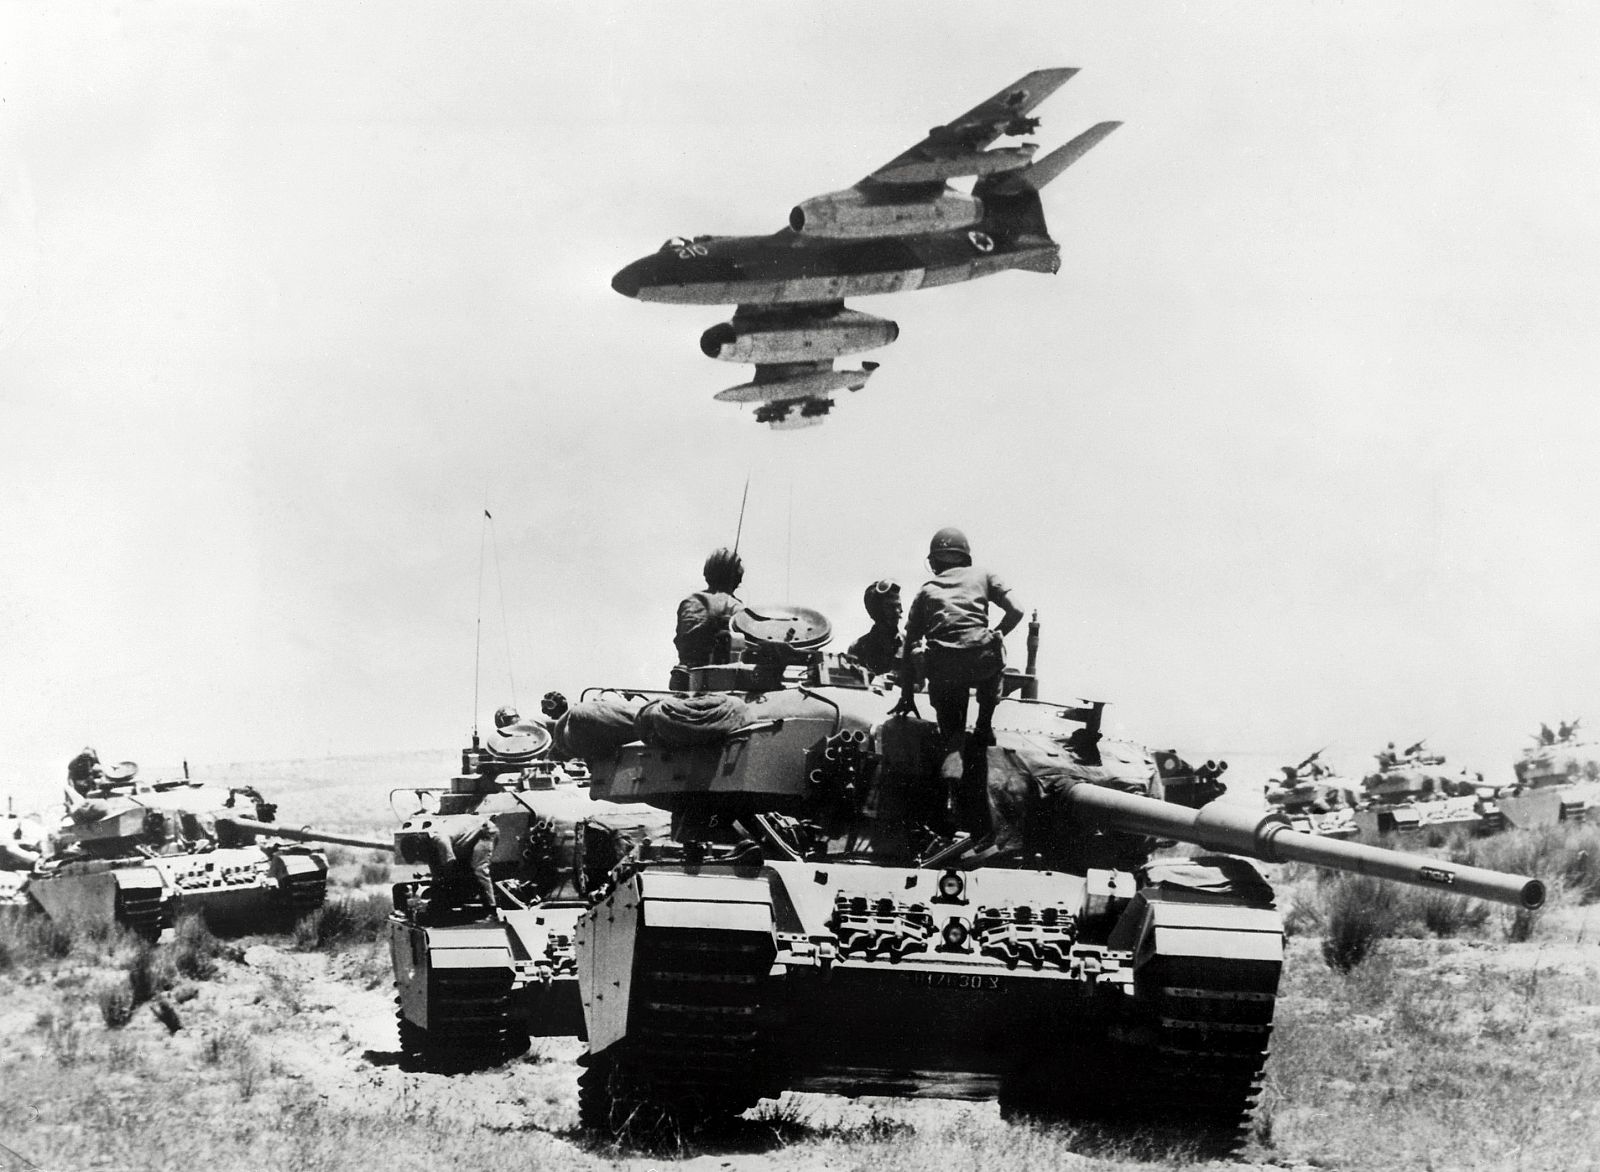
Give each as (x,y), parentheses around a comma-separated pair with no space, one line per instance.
(1299,448)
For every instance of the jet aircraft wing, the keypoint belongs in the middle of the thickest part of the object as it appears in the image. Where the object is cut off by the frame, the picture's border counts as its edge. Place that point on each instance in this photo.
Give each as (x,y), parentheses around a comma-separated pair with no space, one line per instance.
(1004,113)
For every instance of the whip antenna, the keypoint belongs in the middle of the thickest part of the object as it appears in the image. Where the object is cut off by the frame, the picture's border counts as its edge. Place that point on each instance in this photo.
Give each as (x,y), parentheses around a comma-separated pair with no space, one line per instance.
(477,644)
(739,531)
(505,626)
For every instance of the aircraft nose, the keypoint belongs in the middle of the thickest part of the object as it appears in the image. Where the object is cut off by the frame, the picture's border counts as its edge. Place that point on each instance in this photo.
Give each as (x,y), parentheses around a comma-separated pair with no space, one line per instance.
(627,281)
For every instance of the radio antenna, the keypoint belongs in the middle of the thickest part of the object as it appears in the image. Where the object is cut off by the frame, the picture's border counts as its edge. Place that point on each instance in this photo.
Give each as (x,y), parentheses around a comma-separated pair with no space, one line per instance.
(505,625)
(477,644)
(739,531)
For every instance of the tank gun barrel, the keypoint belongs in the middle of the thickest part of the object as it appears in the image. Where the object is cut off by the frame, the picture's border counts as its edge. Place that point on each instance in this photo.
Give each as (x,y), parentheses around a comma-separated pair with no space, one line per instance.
(1269,838)
(273,830)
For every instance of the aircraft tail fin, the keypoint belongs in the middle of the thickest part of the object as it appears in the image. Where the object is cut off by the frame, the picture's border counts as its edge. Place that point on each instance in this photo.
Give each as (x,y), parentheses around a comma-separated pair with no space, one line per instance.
(1034,176)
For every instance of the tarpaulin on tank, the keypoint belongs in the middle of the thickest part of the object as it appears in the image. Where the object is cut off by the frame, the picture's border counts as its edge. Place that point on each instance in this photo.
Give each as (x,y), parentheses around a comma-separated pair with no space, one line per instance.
(608,836)
(597,728)
(679,722)
(1028,774)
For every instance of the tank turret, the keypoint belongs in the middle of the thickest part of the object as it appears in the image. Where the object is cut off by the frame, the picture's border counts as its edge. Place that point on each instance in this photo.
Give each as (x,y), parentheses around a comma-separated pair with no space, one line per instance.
(141,853)
(507,853)
(847,905)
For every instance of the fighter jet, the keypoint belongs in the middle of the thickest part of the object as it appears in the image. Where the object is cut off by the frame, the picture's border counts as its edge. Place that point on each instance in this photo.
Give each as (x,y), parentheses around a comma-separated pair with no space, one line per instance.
(902,227)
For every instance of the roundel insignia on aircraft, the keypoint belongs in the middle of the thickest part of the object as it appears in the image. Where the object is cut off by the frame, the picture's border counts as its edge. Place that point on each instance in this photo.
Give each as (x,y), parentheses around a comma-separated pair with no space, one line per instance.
(982,241)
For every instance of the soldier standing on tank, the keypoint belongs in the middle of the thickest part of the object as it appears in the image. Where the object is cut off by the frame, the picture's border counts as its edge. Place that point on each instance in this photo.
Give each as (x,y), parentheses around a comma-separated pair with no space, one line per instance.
(703,616)
(878,651)
(950,616)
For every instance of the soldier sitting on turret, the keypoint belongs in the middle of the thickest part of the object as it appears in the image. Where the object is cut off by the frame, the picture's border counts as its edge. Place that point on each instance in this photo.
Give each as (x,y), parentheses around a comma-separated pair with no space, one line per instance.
(83,771)
(1387,758)
(703,616)
(1546,737)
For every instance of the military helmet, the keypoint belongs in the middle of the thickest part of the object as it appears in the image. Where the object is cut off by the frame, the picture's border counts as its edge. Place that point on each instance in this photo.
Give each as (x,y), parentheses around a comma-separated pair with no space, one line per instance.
(506,716)
(723,568)
(948,542)
(878,595)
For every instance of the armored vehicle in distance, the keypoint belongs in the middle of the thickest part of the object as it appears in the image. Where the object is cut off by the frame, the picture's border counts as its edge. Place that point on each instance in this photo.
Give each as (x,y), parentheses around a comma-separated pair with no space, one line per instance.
(1558,779)
(482,941)
(1412,791)
(1314,799)
(801,930)
(142,853)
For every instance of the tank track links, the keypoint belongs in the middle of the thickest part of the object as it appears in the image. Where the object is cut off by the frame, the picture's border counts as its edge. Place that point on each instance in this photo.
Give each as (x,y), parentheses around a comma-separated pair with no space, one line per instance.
(1191,1070)
(143,911)
(305,894)
(471,1026)
(1213,1027)
(697,1045)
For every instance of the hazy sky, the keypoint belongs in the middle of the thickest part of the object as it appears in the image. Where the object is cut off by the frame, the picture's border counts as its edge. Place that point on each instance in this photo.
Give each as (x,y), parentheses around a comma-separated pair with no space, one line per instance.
(1300,447)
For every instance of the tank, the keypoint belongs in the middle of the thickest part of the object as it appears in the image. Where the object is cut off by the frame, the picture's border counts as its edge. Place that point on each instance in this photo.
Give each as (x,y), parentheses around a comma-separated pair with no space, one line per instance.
(852,903)
(482,939)
(1558,779)
(1314,799)
(1413,791)
(21,841)
(142,853)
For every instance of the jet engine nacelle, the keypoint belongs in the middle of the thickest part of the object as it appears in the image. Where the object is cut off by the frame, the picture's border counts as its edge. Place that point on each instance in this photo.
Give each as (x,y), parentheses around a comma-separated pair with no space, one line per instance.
(797,339)
(856,214)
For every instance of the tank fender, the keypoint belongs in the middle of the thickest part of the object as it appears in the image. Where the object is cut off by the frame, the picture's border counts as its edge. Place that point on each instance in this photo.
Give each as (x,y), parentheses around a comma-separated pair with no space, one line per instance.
(728,903)
(1156,925)
(418,952)
(607,935)
(286,865)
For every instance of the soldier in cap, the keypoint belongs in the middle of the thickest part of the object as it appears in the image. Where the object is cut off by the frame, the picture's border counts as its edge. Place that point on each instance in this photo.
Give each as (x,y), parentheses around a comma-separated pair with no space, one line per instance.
(703,616)
(950,615)
(878,651)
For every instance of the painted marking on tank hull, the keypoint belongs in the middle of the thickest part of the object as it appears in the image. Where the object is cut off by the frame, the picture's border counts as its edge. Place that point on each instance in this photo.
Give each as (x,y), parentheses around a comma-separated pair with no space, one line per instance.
(966,982)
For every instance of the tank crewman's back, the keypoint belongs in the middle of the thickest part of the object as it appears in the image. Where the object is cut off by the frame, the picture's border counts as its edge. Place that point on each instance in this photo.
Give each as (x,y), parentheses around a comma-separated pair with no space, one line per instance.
(703,616)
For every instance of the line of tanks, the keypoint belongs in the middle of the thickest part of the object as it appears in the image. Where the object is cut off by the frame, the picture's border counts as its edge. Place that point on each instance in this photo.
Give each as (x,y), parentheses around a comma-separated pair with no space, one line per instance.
(142,853)
(770,882)
(1411,791)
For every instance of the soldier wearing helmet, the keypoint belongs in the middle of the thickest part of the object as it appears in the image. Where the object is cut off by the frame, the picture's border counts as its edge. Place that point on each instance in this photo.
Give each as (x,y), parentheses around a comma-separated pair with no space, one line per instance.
(703,616)
(879,649)
(950,616)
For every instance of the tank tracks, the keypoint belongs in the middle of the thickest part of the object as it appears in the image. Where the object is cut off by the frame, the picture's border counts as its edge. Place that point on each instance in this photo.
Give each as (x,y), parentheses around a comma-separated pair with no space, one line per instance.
(143,911)
(1214,1024)
(696,1048)
(303,894)
(471,1025)
(1188,1070)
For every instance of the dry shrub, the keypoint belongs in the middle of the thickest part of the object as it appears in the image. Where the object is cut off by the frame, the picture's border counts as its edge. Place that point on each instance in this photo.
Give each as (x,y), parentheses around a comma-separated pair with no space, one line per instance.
(194,949)
(151,972)
(340,923)
(116,1004)
(1360,913)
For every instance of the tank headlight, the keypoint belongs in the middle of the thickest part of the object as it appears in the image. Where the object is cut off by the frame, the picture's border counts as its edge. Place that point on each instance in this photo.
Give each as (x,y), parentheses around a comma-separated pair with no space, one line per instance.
(955,935)
(952,886)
